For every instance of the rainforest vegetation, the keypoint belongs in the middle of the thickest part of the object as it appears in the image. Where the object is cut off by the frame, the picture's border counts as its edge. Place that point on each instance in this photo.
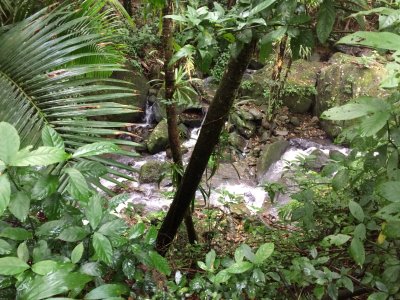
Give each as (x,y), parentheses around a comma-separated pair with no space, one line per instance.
(91,91)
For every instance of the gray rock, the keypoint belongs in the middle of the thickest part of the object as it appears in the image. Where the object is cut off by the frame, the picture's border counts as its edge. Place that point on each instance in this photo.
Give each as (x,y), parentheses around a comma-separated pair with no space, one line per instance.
(152,171)
(295,121)
(237,141)
(244,127)
(269,155)
(257,113)
(316,160)
(158,139)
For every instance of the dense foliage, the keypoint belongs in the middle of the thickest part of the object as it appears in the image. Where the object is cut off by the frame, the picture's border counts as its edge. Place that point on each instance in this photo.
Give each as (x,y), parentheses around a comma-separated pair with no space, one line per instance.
(338,237)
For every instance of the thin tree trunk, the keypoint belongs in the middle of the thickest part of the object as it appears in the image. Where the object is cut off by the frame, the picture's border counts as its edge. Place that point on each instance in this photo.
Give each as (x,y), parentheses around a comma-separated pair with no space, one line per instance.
(128,6)
(208,139)
(172,117)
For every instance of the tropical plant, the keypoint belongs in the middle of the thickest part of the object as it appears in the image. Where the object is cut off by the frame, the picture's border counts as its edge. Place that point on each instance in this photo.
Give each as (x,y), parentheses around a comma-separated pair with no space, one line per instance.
(54,69)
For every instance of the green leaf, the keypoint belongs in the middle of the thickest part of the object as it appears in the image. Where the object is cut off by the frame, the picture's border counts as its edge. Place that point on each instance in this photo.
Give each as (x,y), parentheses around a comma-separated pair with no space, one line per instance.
(77,253)
(77,185)
(113,228)
(210,259)
(185,51)
(95,149)
(258,276)
(390,191)
(375,122)
(10,142)
(106,291)
(136,231)
(357,251)
(239,267)
(390,212)
(378,296)
(336,239)
(12,265)
(51,228)
(340,180)
(263,252)
(348,283)
(94,211)
(377,40)
(102,247)
(42,156)
(19,206)
(5,193)
(222,276)
(45,186)
(23,252)
(360,232)
(159,263)
(15,233)
(45,267)
(260,7)
(348,111)
(356,210)
(51,138)
(73,234)
(325,20)
(5,247)
(248,253)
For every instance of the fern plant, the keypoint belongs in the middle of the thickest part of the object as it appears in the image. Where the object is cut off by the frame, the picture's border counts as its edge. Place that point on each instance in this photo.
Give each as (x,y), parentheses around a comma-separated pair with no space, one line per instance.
(54,69)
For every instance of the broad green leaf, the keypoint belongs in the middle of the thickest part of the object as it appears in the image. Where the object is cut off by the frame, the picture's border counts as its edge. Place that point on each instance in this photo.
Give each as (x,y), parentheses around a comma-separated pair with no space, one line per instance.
(95,149)
(356,210)
(357,251)
(240,267)
(263,252)
(45,186)
(51,228)
(5,193)
(325,20)
(185,51)
(113,228)
(378,296)
(5,247)
(348,111)
(12,265)
(41,251)
(336,239)
(107,291)
(23,252)
(16,233)
(390,191)
(373,123)
(73,234)
(77,253)
(360,232)
(377,40)
(45,267)
(94,211)
(340,180)
(51,138)
(136,231)
(77,185)
(42,156)
(348,283)
(102,247)
(222,276)
(93,269)
(248,253)
(260,7)
(160,263)
(390,212)
(2,166)
(52,284)
(19,205)
(210,259)
(258,276)
(10,142)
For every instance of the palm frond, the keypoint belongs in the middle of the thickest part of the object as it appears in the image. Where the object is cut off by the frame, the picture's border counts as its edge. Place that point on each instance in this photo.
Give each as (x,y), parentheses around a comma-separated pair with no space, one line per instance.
(49,75)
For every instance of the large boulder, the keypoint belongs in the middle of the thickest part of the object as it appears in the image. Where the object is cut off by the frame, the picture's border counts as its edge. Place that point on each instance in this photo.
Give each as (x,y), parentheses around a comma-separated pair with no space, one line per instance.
(299,91)
(158,139)
(152,171)
(139,95)
(269,155)
(346,77)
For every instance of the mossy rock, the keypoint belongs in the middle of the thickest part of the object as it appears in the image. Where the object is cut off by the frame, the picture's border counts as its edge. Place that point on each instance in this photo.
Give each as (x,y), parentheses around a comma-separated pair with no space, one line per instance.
(158,139)
(299,92)
(345,78)
(269,155)
(152,171)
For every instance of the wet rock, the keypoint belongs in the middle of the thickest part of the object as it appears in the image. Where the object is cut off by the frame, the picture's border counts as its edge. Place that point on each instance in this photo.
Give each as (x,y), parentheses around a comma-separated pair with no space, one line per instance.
(345,78)
(158,139)
(152,171)
(237,141)
(316,160)
(282,132)
(295,121)
(245,115)
(184,132)
(265,123)
(257,113)
(265,136)
(244,127)
(269,155)
(192,117)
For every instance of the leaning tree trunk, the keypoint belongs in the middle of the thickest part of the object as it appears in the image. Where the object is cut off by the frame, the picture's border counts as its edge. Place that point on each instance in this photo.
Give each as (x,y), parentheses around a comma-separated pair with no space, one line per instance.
(172,117)
(208,139)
